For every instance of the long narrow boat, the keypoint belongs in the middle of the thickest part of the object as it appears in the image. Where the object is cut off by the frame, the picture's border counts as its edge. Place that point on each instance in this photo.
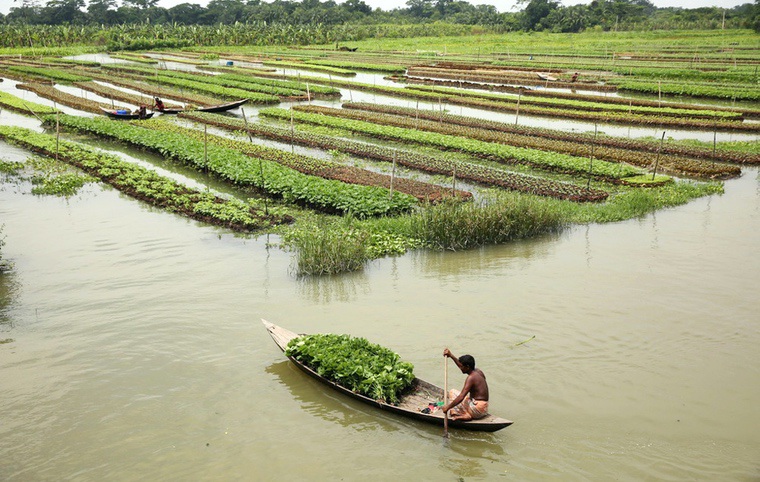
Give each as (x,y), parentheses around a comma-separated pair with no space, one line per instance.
(223,107)
(124,114)
(416,399)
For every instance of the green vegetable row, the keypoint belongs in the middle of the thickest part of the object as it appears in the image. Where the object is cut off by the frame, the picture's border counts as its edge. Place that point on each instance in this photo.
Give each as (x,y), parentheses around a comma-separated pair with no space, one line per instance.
(498,152)
(202,85)
(492,131)
(145,184)
(461,170)
(232,166)
(54,74)
(23,106)
(585,105)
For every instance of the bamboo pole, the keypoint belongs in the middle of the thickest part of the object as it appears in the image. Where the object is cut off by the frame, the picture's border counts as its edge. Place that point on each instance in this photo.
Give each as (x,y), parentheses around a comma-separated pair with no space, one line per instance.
(445,396)
(517,112)
(591,159)
(393,175)
(657,160)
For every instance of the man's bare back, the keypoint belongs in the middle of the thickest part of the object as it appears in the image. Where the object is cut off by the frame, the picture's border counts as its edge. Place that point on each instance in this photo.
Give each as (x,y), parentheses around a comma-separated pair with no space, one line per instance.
(475,390)
(478,385)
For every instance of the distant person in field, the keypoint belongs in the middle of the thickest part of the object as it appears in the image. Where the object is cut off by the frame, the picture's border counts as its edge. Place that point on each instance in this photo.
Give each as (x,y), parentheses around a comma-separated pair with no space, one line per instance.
(159,104)
(472,401)
(575,77)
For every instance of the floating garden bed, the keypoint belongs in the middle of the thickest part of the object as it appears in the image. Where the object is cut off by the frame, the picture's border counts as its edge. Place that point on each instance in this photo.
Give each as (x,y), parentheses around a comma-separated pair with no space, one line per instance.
(144,184)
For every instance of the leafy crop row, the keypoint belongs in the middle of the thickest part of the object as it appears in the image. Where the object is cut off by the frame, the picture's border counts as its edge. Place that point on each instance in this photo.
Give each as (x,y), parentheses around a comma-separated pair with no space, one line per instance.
(689,89)
(47,73)
(582,138)
(240,169)
(316,167)
(145,184)
(498,152)
(319,68)
(492,131)
(50,92)
(202,85)
(24,107)
(461,170)
(344,64)
(590,106)
(248,75)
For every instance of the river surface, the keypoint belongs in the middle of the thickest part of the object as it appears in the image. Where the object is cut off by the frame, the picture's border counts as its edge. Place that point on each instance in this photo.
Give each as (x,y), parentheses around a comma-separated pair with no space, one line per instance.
(132,348)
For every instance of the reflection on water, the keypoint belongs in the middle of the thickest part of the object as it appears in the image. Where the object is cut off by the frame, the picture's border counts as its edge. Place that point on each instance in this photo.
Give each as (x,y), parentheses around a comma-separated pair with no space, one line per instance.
(9,289)
(514,255)
(340,288)
(319,400)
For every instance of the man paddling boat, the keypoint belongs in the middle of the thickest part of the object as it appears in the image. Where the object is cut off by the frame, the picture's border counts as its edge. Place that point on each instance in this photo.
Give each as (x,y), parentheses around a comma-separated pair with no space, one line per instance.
(471,402)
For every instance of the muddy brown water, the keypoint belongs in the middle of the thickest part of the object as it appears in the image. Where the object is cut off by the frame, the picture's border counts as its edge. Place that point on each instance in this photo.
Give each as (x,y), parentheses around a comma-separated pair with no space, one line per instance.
(133,348)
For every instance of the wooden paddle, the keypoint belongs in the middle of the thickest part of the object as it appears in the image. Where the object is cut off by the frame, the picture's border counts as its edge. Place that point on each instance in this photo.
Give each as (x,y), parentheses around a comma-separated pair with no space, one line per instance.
(445,396)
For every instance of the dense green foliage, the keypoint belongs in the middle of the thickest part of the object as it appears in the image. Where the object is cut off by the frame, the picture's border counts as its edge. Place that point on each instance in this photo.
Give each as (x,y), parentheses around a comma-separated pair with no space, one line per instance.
(242,170)
(354,363)
(536,14)
(138,182)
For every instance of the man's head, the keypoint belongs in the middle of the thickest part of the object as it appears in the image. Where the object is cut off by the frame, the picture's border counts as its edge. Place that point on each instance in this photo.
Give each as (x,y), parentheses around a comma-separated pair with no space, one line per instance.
(468,363)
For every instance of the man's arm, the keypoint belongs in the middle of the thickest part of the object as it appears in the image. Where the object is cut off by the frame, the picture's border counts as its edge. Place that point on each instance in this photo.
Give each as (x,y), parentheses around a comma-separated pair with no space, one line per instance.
(448,353)
(465,390)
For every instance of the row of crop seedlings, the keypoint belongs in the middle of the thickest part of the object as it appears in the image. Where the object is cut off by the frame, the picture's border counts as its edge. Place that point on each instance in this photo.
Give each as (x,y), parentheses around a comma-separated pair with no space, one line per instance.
(197,83)
(528,78)
(470,127)
(49,92)
(458,170)
(144,184)
(743,111)
(316,167)
(242,170)
(249,76)
(251,84)
(633,144)
(513,106)
(550,161)
(593,106)
(47,73)
(17,104)
(160,91)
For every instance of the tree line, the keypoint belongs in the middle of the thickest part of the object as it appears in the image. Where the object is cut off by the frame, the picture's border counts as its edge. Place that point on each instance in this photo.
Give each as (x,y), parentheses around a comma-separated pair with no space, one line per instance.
(535,15)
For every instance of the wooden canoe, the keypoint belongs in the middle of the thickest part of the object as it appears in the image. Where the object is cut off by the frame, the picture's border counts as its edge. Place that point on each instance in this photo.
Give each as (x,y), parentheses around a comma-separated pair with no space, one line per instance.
(223,107)
(124,114)
(171,110)
(546,77)
(418,397)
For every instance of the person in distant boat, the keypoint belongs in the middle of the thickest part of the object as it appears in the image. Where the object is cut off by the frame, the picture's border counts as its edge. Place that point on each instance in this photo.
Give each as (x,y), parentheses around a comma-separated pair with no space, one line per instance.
(472,401)
(142,112)
(158,104)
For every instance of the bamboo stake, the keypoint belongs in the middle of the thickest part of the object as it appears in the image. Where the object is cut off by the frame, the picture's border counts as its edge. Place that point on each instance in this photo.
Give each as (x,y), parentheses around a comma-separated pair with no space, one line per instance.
(445,396)
(393,175)
(657,160)
(454,182)
(517,112)
(591,159)
(57,131)
(205,146)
